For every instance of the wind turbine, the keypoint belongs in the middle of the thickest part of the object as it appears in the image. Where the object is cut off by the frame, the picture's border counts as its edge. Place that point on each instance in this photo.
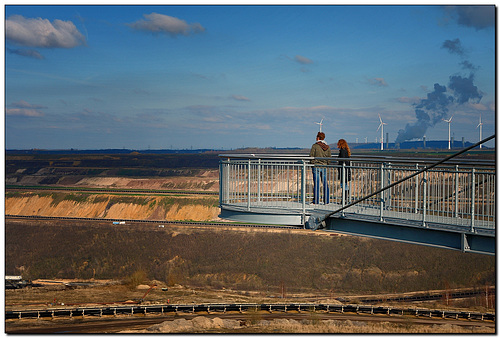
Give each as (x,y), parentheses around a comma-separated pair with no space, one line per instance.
(449,128)
(320,124)
(480,125)
(381,132)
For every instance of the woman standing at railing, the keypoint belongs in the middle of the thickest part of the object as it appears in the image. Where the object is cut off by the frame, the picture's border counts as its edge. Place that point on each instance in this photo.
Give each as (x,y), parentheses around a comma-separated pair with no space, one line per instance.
(320,149)
(344,152)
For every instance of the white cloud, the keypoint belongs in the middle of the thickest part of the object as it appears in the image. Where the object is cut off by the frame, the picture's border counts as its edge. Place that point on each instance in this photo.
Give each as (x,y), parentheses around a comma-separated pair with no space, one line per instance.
(23,112)
(303,60)
(479,106)
(378,81)
(24,104)
(26,52)
(240,98)
(23,108)
(411,100)
(160,23)
(42,33)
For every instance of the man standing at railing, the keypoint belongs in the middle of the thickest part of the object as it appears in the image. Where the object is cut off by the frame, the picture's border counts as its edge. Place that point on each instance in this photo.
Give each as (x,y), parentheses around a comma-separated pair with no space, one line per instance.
(320,149)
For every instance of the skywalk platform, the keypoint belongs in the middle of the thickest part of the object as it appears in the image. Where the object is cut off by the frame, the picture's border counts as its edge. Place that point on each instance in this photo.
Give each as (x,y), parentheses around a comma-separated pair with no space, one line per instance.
(450,207)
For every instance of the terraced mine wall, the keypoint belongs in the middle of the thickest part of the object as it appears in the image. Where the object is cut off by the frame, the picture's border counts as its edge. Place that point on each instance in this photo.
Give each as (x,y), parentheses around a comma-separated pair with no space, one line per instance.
(110,206)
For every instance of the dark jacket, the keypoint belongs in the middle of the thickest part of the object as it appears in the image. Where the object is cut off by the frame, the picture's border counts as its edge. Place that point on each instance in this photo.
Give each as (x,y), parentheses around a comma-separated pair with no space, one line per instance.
(320,149)
(344,154)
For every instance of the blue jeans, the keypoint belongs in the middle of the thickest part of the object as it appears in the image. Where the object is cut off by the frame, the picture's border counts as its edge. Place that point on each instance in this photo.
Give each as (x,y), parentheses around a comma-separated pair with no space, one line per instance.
(320,177)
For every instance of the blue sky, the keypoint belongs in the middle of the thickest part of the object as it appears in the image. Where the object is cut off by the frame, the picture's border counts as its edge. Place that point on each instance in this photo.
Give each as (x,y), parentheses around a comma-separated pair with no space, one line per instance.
(161,77)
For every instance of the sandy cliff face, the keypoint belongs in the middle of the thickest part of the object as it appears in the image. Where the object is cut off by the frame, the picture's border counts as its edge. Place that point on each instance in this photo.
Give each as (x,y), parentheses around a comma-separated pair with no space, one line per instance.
(35,205)
(112,206)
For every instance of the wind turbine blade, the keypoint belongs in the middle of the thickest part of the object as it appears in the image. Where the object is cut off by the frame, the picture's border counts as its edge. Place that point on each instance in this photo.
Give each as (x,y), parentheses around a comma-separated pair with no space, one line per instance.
(379,118)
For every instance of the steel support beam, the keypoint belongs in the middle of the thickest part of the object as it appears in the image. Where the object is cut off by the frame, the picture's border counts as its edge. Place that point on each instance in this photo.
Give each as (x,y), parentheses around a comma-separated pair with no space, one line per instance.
(274,217)
(465,242)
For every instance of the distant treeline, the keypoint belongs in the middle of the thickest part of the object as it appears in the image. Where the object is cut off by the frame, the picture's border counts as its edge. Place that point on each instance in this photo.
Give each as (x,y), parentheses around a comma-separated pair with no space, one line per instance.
(130,151)
(361,146)
(105,151)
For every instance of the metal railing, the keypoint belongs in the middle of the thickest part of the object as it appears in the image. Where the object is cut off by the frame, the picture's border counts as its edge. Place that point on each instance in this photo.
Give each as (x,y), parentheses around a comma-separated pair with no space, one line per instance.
(457,194)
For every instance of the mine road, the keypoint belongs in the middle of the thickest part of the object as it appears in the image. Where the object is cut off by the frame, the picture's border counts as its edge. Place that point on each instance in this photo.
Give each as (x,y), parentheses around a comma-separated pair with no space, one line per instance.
(108,190)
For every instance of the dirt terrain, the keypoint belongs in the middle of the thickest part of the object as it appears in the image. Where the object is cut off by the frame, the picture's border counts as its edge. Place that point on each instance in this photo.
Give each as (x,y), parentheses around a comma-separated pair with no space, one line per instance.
(107,206)
(173,255)
(74,293)
(59,293)
(208,180)
(205,180)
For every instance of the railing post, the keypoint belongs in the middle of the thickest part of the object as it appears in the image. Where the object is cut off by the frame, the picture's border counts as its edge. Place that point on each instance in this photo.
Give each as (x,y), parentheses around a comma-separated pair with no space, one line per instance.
(382,192)
(343,187)
(303,192)
(473,198)
(424,206)
(389,172)
(287,182)
(227,181)
(259,174)
(298,183)
(416,190)
(220,182)
(248,187)
(456,190)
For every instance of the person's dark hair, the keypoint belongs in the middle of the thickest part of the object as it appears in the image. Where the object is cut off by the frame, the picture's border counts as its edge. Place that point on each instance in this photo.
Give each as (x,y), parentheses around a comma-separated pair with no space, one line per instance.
(342,144)
(321,135)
